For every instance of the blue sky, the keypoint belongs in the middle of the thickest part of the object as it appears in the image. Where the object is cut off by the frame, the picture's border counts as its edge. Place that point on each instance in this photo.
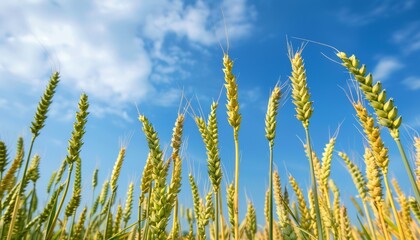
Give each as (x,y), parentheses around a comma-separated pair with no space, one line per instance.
(145,54)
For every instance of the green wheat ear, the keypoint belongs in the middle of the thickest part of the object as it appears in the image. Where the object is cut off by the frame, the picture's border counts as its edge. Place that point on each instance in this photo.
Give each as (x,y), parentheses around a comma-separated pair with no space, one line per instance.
(95,178)
(385,110)
(76,142)
(128,203)
(76,197)
(79,228)
(44,104)
(270,117)
(3,156)
(33,170)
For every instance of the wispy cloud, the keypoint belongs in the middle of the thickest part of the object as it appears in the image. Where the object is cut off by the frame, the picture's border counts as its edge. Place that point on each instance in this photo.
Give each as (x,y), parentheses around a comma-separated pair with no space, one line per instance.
(117,51)
(376,10)
(412,83)
(408,37)
(385,68)
(3,103)
(414,122)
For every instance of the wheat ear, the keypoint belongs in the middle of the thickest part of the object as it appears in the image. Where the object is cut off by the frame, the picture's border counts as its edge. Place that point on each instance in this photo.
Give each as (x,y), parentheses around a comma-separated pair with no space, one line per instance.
(361,184)
(75,145)
(37,125)
(78,230)
(373,136)
(6,183)
(230,195)
(406,219)
(3,158)
(374,186)
(176,145)
(128,204)
(417,147)
(251,222)
(305,216)
(384,108)
(234,119)
(345,224)
(304,110)
(270,134)
(160,207)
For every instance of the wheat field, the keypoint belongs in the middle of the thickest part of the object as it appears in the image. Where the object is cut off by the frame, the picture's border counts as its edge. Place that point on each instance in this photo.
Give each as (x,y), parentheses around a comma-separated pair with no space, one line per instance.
(385,211)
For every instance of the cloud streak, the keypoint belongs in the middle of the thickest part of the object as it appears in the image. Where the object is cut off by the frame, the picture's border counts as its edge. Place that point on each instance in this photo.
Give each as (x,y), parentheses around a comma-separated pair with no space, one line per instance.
(385,68)
(413,83)
(408,37)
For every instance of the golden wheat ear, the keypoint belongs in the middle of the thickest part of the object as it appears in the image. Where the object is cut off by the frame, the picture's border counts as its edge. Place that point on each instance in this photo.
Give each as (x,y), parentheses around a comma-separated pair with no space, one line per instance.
(300,90)
(232,105)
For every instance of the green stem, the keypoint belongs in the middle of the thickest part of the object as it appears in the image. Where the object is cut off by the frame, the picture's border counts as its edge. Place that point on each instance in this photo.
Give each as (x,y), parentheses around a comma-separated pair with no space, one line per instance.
(90,215)
(139,217)
(114,192)
(50,231)
(408,169)
(222,223)
(216,230)
(63,228)
(236,200)
(1,231)
(382,221)
(1,207)
(72,225)
(31,203)
(367,212)
(314,187)
(270,198)
(17,202)
(146,228)
(394,209)
(175,220)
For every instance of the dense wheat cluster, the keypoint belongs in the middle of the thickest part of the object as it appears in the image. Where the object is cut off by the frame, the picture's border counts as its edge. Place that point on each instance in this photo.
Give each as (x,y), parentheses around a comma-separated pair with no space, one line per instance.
(385,211)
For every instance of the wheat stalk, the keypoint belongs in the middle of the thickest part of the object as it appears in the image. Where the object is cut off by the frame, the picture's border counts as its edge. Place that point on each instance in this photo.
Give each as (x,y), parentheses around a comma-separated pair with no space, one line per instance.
(75,144)
(234,119)
(270,134)
(304,110)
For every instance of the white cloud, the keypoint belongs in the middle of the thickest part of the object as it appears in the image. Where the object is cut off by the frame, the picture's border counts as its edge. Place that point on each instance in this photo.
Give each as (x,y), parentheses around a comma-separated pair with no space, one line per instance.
(113,50)
(412,83)
(408,37)
(385,68)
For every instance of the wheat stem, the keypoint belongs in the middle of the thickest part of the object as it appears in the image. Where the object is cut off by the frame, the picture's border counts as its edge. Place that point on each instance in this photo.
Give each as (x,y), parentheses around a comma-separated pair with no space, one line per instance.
(270,198)
(369,219)
(314,187)
(222,222)
(21,188)
(50,230)
(236,201)
(394,209)
(408,169)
